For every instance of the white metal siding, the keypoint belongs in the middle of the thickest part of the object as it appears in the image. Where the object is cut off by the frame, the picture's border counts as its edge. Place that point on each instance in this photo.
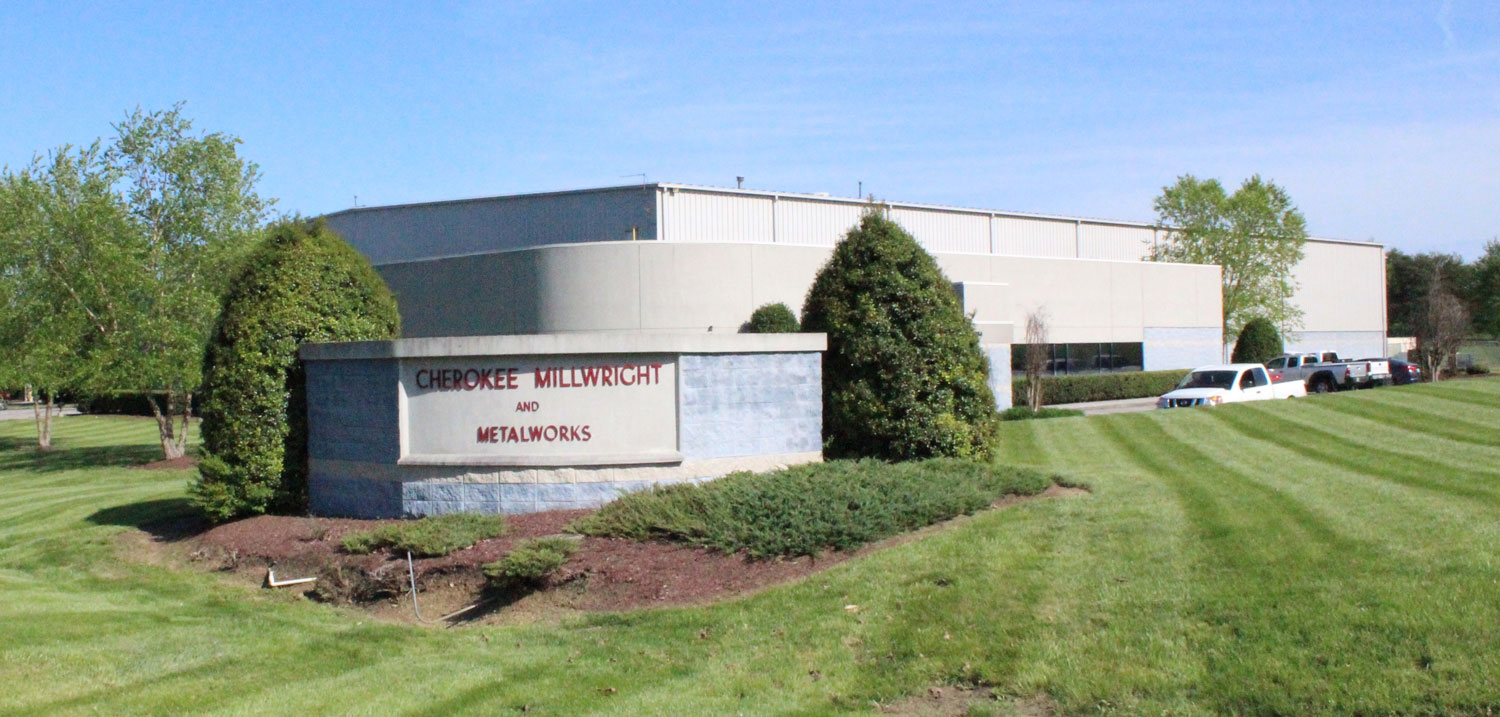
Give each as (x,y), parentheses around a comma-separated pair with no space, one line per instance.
(703,217)
(1018,236)
(1107,241)
(428,231)
(814,223)
(950,232)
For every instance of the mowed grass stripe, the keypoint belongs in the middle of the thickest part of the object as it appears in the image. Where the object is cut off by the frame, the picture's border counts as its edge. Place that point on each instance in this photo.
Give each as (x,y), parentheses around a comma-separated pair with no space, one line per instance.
(1326,446)
(1412,417)
(1484,392)
(1318,420)
(1195,472)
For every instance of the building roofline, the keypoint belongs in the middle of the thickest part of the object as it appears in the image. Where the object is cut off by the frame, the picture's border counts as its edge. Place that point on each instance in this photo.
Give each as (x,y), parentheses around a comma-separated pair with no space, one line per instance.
(672,187)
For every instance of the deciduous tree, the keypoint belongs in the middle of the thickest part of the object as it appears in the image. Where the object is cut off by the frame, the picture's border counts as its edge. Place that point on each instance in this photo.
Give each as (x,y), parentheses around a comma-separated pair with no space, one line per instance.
(1441,329)
(1255,234)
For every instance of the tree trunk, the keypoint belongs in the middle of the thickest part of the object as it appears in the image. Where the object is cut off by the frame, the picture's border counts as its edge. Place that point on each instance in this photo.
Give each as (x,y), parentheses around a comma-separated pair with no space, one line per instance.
(170,448)
(187,415)
(43,422)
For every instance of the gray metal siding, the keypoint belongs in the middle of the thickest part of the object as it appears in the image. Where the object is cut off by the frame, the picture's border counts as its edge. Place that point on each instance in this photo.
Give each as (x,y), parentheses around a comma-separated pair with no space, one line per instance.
(446,229)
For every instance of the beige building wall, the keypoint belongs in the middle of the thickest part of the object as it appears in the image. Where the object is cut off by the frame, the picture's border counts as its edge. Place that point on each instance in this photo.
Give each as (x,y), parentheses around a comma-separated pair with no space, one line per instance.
(1341,291)
(634,286)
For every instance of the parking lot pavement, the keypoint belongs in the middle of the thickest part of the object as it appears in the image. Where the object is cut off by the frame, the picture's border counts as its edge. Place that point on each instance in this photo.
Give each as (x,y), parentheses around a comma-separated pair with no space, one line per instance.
(1103,408)
(16,412)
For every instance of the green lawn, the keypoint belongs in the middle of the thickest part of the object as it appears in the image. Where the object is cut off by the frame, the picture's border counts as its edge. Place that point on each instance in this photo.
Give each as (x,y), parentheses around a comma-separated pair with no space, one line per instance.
(1336,554)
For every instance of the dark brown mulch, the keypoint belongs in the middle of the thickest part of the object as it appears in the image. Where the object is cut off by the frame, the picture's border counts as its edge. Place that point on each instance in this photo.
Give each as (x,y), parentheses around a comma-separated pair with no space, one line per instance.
(604,574)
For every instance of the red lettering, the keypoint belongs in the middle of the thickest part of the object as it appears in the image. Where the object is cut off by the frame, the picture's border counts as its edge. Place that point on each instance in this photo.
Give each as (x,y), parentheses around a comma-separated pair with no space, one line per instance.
(549,434)
(510,378)
(656,373)
(627,375)
(420,374)
(542,378)
(486,434)
(609,375)
(584,431)
(643,374)
(590,375)
(534,433)
(512,434)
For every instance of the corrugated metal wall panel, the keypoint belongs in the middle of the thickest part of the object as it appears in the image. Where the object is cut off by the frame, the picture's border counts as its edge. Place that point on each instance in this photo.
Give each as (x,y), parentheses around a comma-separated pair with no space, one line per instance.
(428,231)
(939,231)
(1018,236)
(1107,241)
(690,216)
(814,223)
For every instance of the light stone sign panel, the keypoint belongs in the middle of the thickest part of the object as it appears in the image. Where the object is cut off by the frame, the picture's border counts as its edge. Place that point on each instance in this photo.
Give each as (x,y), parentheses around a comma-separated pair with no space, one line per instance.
(540,410)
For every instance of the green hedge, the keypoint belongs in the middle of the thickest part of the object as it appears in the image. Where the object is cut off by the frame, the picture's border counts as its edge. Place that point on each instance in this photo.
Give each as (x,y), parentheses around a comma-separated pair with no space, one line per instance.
(773,319)
(127,403)
(1104,386)
(805,509)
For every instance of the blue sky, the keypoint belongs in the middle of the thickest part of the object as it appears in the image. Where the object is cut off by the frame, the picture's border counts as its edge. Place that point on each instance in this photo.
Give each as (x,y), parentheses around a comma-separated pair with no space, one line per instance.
(1381,119)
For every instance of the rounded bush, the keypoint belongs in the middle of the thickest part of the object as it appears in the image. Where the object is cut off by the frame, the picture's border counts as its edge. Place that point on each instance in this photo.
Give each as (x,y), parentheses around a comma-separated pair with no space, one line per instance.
(903,377)
(1258,342)
(773,319)
(301,284)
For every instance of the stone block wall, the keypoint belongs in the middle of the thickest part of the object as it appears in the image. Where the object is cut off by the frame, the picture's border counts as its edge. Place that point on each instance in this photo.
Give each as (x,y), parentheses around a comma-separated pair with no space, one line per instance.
(749,404)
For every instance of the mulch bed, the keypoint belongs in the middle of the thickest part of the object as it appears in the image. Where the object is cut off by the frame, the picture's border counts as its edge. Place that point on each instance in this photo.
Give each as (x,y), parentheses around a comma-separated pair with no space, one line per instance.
(169,464)
(604,574)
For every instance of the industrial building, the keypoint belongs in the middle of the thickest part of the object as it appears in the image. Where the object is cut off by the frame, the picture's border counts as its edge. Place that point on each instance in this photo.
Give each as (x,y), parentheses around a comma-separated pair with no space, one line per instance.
(679,258)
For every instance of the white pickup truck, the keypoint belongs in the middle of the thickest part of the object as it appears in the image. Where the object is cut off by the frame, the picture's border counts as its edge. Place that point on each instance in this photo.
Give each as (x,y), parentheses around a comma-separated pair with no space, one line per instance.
(1228,383)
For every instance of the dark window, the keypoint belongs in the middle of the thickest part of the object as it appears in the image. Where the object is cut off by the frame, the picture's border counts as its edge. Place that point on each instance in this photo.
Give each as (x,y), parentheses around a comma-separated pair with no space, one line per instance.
(1068,359)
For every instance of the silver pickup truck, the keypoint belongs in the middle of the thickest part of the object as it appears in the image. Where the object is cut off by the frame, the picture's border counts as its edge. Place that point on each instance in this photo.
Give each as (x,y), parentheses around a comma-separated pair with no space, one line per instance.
(1325,372)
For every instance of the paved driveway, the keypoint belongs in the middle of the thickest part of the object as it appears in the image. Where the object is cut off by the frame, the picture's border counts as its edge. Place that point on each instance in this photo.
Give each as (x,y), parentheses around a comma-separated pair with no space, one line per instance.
(19,412)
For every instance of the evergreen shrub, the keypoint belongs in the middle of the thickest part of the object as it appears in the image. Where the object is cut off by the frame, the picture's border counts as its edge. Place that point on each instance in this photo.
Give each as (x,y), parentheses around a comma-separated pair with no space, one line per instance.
(1258,342)
(805,509)
(903,377)
(301,284)
(1080,388)
(773,319)
(429,537)
(531,561)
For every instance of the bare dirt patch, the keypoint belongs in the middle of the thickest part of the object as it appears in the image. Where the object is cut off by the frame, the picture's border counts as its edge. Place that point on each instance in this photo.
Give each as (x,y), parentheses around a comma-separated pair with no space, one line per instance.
(604,574)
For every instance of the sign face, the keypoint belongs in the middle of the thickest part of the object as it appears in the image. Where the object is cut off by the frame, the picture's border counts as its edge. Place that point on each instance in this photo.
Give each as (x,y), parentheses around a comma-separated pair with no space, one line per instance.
(541,410)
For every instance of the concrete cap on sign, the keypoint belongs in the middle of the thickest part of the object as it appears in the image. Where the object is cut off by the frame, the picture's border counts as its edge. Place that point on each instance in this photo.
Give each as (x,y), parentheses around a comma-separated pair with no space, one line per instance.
(614,342)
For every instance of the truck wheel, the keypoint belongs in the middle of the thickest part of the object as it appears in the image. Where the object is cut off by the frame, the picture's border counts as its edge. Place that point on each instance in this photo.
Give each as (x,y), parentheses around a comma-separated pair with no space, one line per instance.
(1322,385)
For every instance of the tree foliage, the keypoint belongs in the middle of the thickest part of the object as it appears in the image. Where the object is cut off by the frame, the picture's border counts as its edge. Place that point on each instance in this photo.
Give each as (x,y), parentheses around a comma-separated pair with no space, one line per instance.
(1484,291)
(1258,342)
(1408,281)
(303,284)
(903,376)
(1441,329)
(1037,353)
(773,319)
(50,214)
(1255,234)
(129,242)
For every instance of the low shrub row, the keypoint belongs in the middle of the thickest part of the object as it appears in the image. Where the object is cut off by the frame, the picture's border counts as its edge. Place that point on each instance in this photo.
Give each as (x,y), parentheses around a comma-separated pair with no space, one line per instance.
(1103,386)
(806,509)
(127,403)
(1024,413)
(429,537)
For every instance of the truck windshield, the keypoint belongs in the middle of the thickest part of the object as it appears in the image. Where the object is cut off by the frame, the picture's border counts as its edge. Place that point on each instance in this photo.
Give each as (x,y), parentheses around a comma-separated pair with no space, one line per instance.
(1209,379)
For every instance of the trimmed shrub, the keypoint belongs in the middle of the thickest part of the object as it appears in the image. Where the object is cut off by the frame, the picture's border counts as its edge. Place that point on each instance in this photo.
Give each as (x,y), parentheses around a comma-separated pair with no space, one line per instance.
(531,561)
(773,319)
(1477,369)
(132,403)
(806,509)
(904,376)
(1024,413)
(1258,342)
(428,537)
(1104,386)
(301,284)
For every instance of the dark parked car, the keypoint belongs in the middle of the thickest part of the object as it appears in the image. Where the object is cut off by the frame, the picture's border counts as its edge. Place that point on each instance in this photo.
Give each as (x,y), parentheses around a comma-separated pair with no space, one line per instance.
(1402,372)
